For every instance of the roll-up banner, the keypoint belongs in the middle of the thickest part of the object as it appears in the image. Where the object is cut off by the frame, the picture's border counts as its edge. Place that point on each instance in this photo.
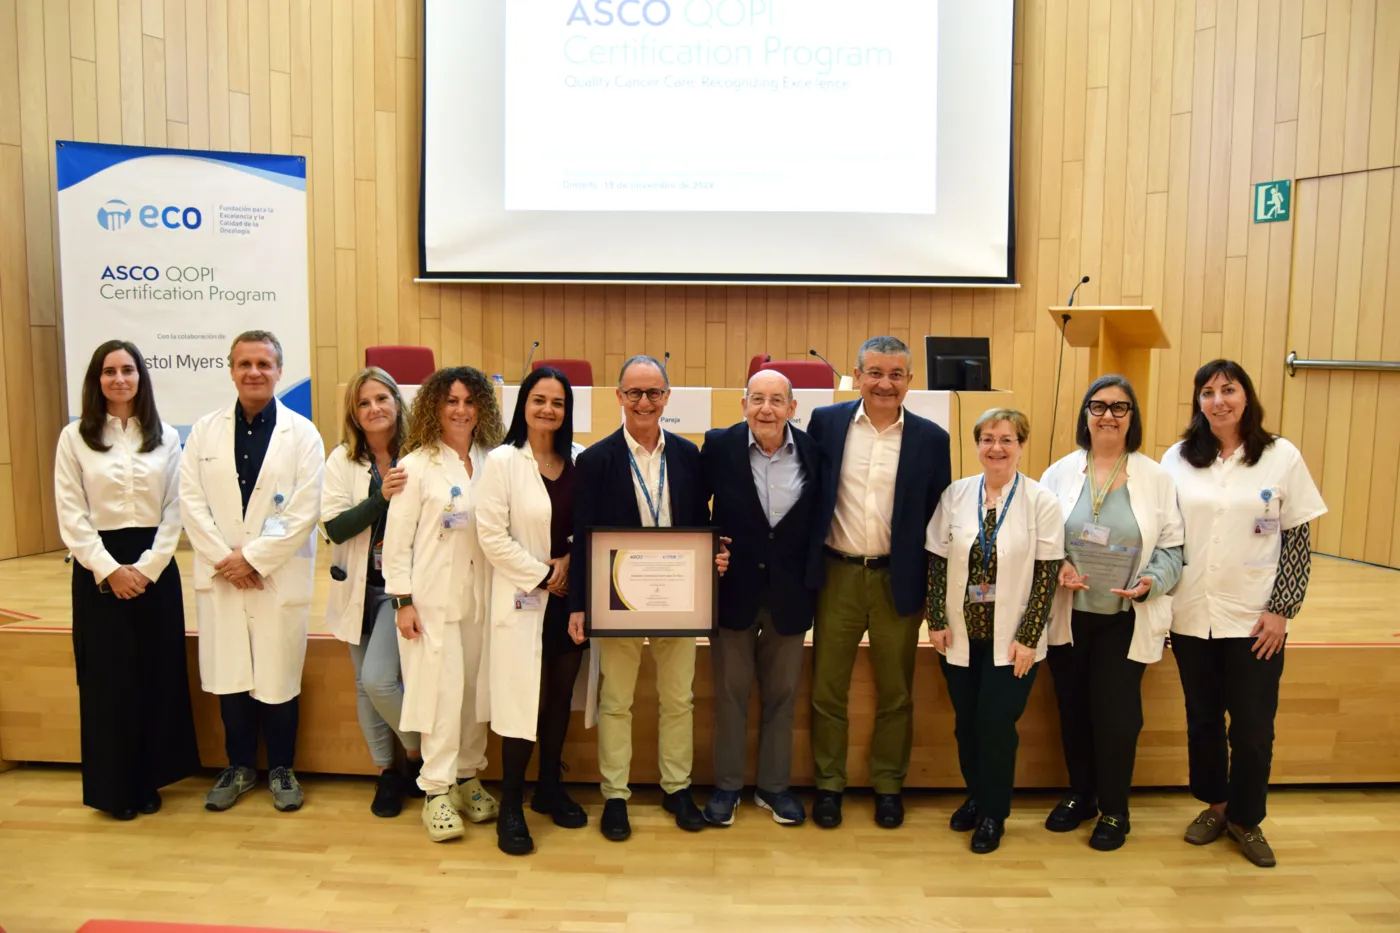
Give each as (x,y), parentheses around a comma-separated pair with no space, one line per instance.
(179,251)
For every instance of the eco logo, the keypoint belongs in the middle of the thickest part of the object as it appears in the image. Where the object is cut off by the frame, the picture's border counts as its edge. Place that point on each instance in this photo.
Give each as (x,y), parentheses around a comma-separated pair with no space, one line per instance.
(113,215)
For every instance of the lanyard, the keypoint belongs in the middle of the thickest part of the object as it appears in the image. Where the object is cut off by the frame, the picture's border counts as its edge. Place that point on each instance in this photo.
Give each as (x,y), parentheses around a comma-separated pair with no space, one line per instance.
(982,522)
(654,508)
(378,530)
(1100,494)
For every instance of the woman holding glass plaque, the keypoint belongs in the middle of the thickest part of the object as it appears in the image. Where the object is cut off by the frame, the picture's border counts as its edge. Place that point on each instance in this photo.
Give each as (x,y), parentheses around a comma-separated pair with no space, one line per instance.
(997,542)
(1247,498)
(1123,543)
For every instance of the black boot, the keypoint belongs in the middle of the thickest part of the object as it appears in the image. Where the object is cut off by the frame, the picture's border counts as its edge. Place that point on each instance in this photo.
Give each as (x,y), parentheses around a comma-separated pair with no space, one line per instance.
(554,801)
(412,767)
(512,833)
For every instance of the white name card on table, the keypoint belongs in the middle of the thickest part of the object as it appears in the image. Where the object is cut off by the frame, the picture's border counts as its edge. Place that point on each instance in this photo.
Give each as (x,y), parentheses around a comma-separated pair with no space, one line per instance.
(583,407)
(688,410)
(930,405)
(808,399)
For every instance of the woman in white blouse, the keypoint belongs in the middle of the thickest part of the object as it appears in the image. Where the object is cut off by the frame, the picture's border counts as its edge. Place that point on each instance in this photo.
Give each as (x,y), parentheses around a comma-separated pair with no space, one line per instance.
(440,585)
(362,477)
(117,486)
(996,542)
(1246,497)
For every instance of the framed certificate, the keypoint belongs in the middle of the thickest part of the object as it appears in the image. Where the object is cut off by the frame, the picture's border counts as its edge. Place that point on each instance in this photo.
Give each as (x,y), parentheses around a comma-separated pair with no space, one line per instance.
(656,582)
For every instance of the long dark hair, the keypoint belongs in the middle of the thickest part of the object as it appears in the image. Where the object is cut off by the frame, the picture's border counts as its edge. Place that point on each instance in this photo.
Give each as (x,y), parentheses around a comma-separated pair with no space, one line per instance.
(143,404)
(1133,439)
(516,436)
(1199,446)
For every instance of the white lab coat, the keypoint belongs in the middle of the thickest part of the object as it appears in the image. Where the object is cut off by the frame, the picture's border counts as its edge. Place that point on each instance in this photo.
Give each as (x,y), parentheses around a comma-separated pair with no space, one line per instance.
(1032,530)
(347,485)
(513,523)
(444,571)
(252,640)
(1153,495)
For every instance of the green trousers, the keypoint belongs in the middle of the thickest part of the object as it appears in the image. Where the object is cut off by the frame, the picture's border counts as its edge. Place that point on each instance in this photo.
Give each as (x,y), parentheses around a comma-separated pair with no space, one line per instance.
(856,600)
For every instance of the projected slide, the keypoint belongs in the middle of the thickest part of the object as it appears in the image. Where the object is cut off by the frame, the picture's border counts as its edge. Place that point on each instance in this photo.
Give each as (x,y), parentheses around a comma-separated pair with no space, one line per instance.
(814,106)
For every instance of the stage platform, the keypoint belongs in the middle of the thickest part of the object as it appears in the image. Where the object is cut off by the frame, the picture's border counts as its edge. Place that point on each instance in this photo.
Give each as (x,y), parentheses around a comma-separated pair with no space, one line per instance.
(1338,721)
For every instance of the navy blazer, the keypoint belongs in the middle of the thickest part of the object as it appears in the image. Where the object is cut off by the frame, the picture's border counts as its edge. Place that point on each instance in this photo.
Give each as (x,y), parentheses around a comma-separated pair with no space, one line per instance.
(925,470)
(605,497)
(766,563)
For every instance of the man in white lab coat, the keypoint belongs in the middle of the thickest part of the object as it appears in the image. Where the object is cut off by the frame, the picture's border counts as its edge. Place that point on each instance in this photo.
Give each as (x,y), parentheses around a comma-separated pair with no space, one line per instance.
(250,492)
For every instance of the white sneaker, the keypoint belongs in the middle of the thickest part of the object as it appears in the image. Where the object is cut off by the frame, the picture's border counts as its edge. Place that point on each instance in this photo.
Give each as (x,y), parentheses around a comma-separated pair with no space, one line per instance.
(441,820)
(471,800)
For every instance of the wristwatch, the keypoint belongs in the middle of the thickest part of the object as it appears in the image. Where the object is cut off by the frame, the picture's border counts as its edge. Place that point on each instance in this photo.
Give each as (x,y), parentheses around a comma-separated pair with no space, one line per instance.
(399,602)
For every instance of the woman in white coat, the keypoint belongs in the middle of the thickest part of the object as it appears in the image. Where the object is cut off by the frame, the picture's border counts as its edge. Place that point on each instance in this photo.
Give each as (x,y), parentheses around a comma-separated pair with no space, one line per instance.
(362,478)
(440,588)
(525,521)
(117,486)
(996,542)
(1117,505)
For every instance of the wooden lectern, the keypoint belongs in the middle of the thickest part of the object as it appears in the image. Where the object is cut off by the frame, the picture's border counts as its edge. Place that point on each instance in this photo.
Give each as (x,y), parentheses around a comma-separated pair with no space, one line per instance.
(1120,340)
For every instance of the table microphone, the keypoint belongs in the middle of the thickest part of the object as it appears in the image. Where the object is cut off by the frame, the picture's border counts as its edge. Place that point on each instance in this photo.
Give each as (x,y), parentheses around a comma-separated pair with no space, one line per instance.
(665,360)
(529,359)
(827,362)
(1083,281)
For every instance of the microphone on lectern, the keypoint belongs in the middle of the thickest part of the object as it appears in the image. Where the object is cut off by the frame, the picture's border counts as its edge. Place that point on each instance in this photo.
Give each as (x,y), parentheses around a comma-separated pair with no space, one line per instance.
(1083,281)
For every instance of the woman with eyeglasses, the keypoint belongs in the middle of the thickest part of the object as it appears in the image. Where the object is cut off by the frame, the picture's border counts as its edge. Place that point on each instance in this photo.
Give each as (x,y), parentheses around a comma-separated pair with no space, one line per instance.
(996,542)
(362,477)
(1123,543)
(1247,498)
(440,586)
(117,488)
(525,522)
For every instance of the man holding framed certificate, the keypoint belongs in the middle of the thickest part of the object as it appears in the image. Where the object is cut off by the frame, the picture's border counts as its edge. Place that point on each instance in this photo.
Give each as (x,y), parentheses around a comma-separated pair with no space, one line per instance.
(628,580)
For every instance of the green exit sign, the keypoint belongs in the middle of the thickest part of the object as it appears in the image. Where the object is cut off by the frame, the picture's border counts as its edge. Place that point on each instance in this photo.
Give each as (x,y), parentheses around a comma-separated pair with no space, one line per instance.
(1272,200)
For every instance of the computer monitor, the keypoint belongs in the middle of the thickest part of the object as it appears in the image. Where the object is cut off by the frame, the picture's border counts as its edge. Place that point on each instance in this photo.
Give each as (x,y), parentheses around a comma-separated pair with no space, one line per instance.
(959,363)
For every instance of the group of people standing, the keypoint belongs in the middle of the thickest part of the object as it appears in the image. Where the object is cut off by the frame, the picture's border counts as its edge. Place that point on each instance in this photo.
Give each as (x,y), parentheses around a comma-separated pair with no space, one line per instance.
(458,578)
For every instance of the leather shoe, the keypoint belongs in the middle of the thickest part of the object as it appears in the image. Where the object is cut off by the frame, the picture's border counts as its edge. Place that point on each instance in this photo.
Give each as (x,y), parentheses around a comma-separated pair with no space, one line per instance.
(964,819)
(988,835)
(1070,813)
(889,810)
(124,815)
(1110,833)
(682,806)
(614,824)
(826,809)
(554,801)
(151,804)
(512,832)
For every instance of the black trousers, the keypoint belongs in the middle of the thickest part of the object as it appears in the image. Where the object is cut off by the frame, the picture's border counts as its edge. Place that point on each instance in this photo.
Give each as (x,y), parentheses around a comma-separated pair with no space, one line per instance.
(987,702)
(1230,766)
(135,719)
(557,676)
(244,717)
(1099,692)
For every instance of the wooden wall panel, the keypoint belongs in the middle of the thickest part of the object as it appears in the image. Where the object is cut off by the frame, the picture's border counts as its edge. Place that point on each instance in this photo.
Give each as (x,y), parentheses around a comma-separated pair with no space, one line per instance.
(1141,127)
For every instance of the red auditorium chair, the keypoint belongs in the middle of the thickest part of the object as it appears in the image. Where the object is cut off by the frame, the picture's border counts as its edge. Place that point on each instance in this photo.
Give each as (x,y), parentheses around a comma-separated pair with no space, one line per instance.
(578,372)
(756,364)
(410,366)
(804,374)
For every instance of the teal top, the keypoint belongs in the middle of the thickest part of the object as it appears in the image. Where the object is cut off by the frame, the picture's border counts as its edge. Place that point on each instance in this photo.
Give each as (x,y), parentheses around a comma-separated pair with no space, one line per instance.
(1163,566)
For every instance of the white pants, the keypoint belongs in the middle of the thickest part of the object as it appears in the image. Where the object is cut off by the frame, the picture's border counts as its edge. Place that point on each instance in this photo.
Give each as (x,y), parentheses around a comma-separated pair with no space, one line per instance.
(456,745)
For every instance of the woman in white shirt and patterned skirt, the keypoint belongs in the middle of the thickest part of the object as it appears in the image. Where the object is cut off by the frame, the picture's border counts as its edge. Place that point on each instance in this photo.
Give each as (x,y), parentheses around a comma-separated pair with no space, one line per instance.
(1246,497)
(117,486)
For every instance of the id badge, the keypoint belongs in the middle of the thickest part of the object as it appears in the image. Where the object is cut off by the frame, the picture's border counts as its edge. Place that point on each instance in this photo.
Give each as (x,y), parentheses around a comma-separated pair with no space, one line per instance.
(454,520)
(1266,526)
(1094,534)
(529,602)
(379,556)
(982,592)
(274,526)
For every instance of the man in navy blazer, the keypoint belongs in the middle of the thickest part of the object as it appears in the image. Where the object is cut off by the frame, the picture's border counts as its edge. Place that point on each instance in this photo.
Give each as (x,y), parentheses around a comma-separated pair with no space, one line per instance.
(766,479)
(639,476)
(885,470)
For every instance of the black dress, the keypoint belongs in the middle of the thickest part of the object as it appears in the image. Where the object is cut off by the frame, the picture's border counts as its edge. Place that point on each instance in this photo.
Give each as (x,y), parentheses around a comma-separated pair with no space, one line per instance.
(133,684)
(555,638)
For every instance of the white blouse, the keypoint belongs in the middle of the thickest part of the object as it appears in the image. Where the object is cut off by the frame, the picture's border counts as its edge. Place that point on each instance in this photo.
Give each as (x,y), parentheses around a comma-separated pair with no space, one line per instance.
(1230,569)
(118,488)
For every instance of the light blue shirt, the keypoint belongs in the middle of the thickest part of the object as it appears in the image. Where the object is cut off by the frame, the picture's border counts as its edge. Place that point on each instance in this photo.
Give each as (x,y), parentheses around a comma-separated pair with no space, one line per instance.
(779,479)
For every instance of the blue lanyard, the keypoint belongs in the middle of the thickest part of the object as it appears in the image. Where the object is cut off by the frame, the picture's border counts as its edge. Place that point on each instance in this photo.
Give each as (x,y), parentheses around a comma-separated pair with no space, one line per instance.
(982,523)
(654,508)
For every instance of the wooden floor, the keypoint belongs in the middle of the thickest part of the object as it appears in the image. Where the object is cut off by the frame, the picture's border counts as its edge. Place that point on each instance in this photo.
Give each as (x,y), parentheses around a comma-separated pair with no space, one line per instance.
(333,866)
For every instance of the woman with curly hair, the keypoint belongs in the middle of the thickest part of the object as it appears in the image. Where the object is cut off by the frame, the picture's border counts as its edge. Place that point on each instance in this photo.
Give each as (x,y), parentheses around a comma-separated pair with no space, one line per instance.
(438,578)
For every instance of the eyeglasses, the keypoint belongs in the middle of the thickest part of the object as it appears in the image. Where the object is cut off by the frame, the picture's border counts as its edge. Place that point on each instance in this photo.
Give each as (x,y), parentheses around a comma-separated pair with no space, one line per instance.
(635,395)
(878,375)
(988,441)
(758,401)
(1120,409)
